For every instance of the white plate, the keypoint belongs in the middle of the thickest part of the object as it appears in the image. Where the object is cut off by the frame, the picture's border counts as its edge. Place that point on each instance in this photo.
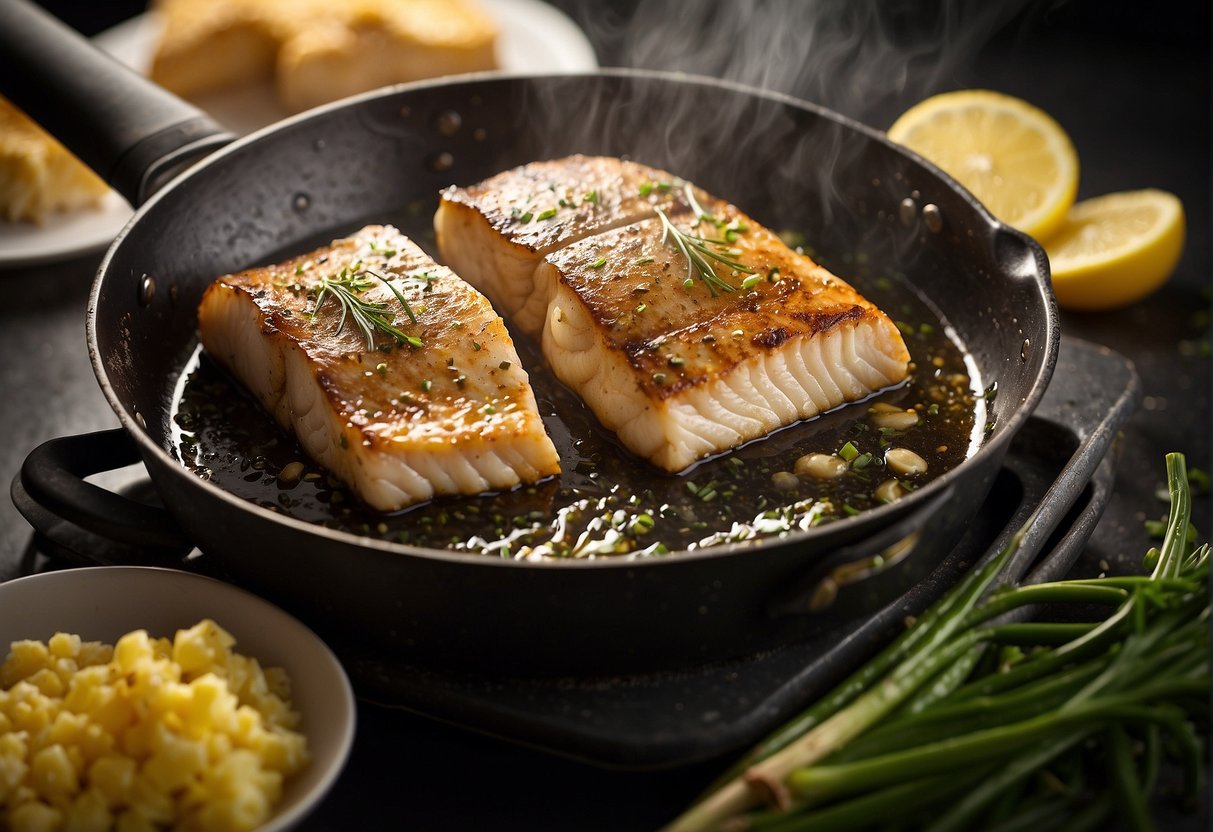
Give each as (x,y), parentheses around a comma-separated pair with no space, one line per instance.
(534,38)
(63,235)
(103,603)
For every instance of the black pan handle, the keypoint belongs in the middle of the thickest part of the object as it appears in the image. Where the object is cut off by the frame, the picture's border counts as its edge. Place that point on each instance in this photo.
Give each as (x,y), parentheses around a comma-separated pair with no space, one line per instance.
(53,477)
(131,132)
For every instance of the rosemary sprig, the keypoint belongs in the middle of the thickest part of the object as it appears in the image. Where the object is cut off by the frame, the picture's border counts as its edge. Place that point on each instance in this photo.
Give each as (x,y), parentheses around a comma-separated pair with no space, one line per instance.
(700,214)
(367,316)
(701,251)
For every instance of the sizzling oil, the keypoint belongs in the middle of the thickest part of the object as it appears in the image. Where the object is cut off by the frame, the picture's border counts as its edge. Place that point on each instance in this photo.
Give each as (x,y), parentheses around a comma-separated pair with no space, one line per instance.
(608,503)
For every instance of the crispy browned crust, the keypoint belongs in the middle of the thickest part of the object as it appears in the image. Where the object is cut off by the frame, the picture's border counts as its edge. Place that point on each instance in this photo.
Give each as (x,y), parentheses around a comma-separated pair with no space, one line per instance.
(684,337)
(381,393)
(587,195)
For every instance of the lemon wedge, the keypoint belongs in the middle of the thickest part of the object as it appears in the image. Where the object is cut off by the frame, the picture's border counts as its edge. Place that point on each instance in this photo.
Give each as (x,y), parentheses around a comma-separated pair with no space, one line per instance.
(1012,156)
(1116,249)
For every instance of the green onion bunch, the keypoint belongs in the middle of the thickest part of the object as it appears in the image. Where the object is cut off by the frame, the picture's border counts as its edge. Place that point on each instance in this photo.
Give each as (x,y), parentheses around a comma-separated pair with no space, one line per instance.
(977,719)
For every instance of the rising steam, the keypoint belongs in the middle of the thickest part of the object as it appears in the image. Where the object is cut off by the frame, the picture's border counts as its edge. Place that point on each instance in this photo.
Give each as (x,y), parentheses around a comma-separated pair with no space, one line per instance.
(858,57)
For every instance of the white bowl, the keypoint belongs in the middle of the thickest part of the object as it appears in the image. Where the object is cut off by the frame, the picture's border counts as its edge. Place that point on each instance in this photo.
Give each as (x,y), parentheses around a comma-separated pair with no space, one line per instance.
(103,603)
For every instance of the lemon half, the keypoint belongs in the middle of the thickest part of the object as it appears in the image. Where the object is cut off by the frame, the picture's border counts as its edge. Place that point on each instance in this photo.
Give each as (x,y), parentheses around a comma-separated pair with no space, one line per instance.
(1013,157)
(1116,249)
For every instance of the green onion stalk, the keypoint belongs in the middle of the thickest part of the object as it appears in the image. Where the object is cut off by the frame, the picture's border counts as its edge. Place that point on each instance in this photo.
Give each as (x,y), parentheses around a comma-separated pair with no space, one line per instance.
(967,717)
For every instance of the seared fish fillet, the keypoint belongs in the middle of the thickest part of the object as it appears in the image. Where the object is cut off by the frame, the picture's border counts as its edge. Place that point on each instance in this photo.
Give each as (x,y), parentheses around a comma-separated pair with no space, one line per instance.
(380,42)
(499,230)
(679,371)
(315,50)
(449,411)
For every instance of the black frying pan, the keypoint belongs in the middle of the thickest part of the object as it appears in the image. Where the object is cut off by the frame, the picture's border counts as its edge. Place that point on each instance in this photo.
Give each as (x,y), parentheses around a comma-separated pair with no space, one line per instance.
(789,163)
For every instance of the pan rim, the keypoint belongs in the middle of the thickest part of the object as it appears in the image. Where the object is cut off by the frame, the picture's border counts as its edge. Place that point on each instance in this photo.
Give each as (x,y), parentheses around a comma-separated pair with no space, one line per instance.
(1040,279)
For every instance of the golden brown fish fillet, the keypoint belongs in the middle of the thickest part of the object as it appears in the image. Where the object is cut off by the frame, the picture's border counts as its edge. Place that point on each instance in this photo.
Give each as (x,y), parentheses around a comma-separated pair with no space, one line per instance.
(221,44)
(380,42)
(316,51)
(452,412)
(500,229)
(680,364)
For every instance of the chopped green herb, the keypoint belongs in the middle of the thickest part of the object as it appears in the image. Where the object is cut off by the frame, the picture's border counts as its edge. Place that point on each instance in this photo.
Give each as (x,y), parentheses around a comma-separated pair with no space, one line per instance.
(643,523)
(298,268)
(504,365)
(773,275)
(848,452)
(640,307)
(750,282)
(476,346)
(646,188)
(640,261)
(525,218)
(426,385)
(849,510)
(677,361)
(659,378)
(591,197)
(546,215)
(862,461)
(933,410)
(381,368)
(599,263)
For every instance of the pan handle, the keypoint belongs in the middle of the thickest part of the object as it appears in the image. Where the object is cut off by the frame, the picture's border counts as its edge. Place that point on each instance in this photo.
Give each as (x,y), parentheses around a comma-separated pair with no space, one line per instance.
(130,131)
(52,477)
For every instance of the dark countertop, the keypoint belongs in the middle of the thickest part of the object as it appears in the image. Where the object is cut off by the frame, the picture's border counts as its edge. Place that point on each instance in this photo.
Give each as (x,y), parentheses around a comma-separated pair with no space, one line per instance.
(1133,92)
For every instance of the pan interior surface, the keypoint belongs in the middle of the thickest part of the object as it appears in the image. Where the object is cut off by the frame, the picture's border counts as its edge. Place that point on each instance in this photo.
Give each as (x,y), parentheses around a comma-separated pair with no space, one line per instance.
(971,292)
